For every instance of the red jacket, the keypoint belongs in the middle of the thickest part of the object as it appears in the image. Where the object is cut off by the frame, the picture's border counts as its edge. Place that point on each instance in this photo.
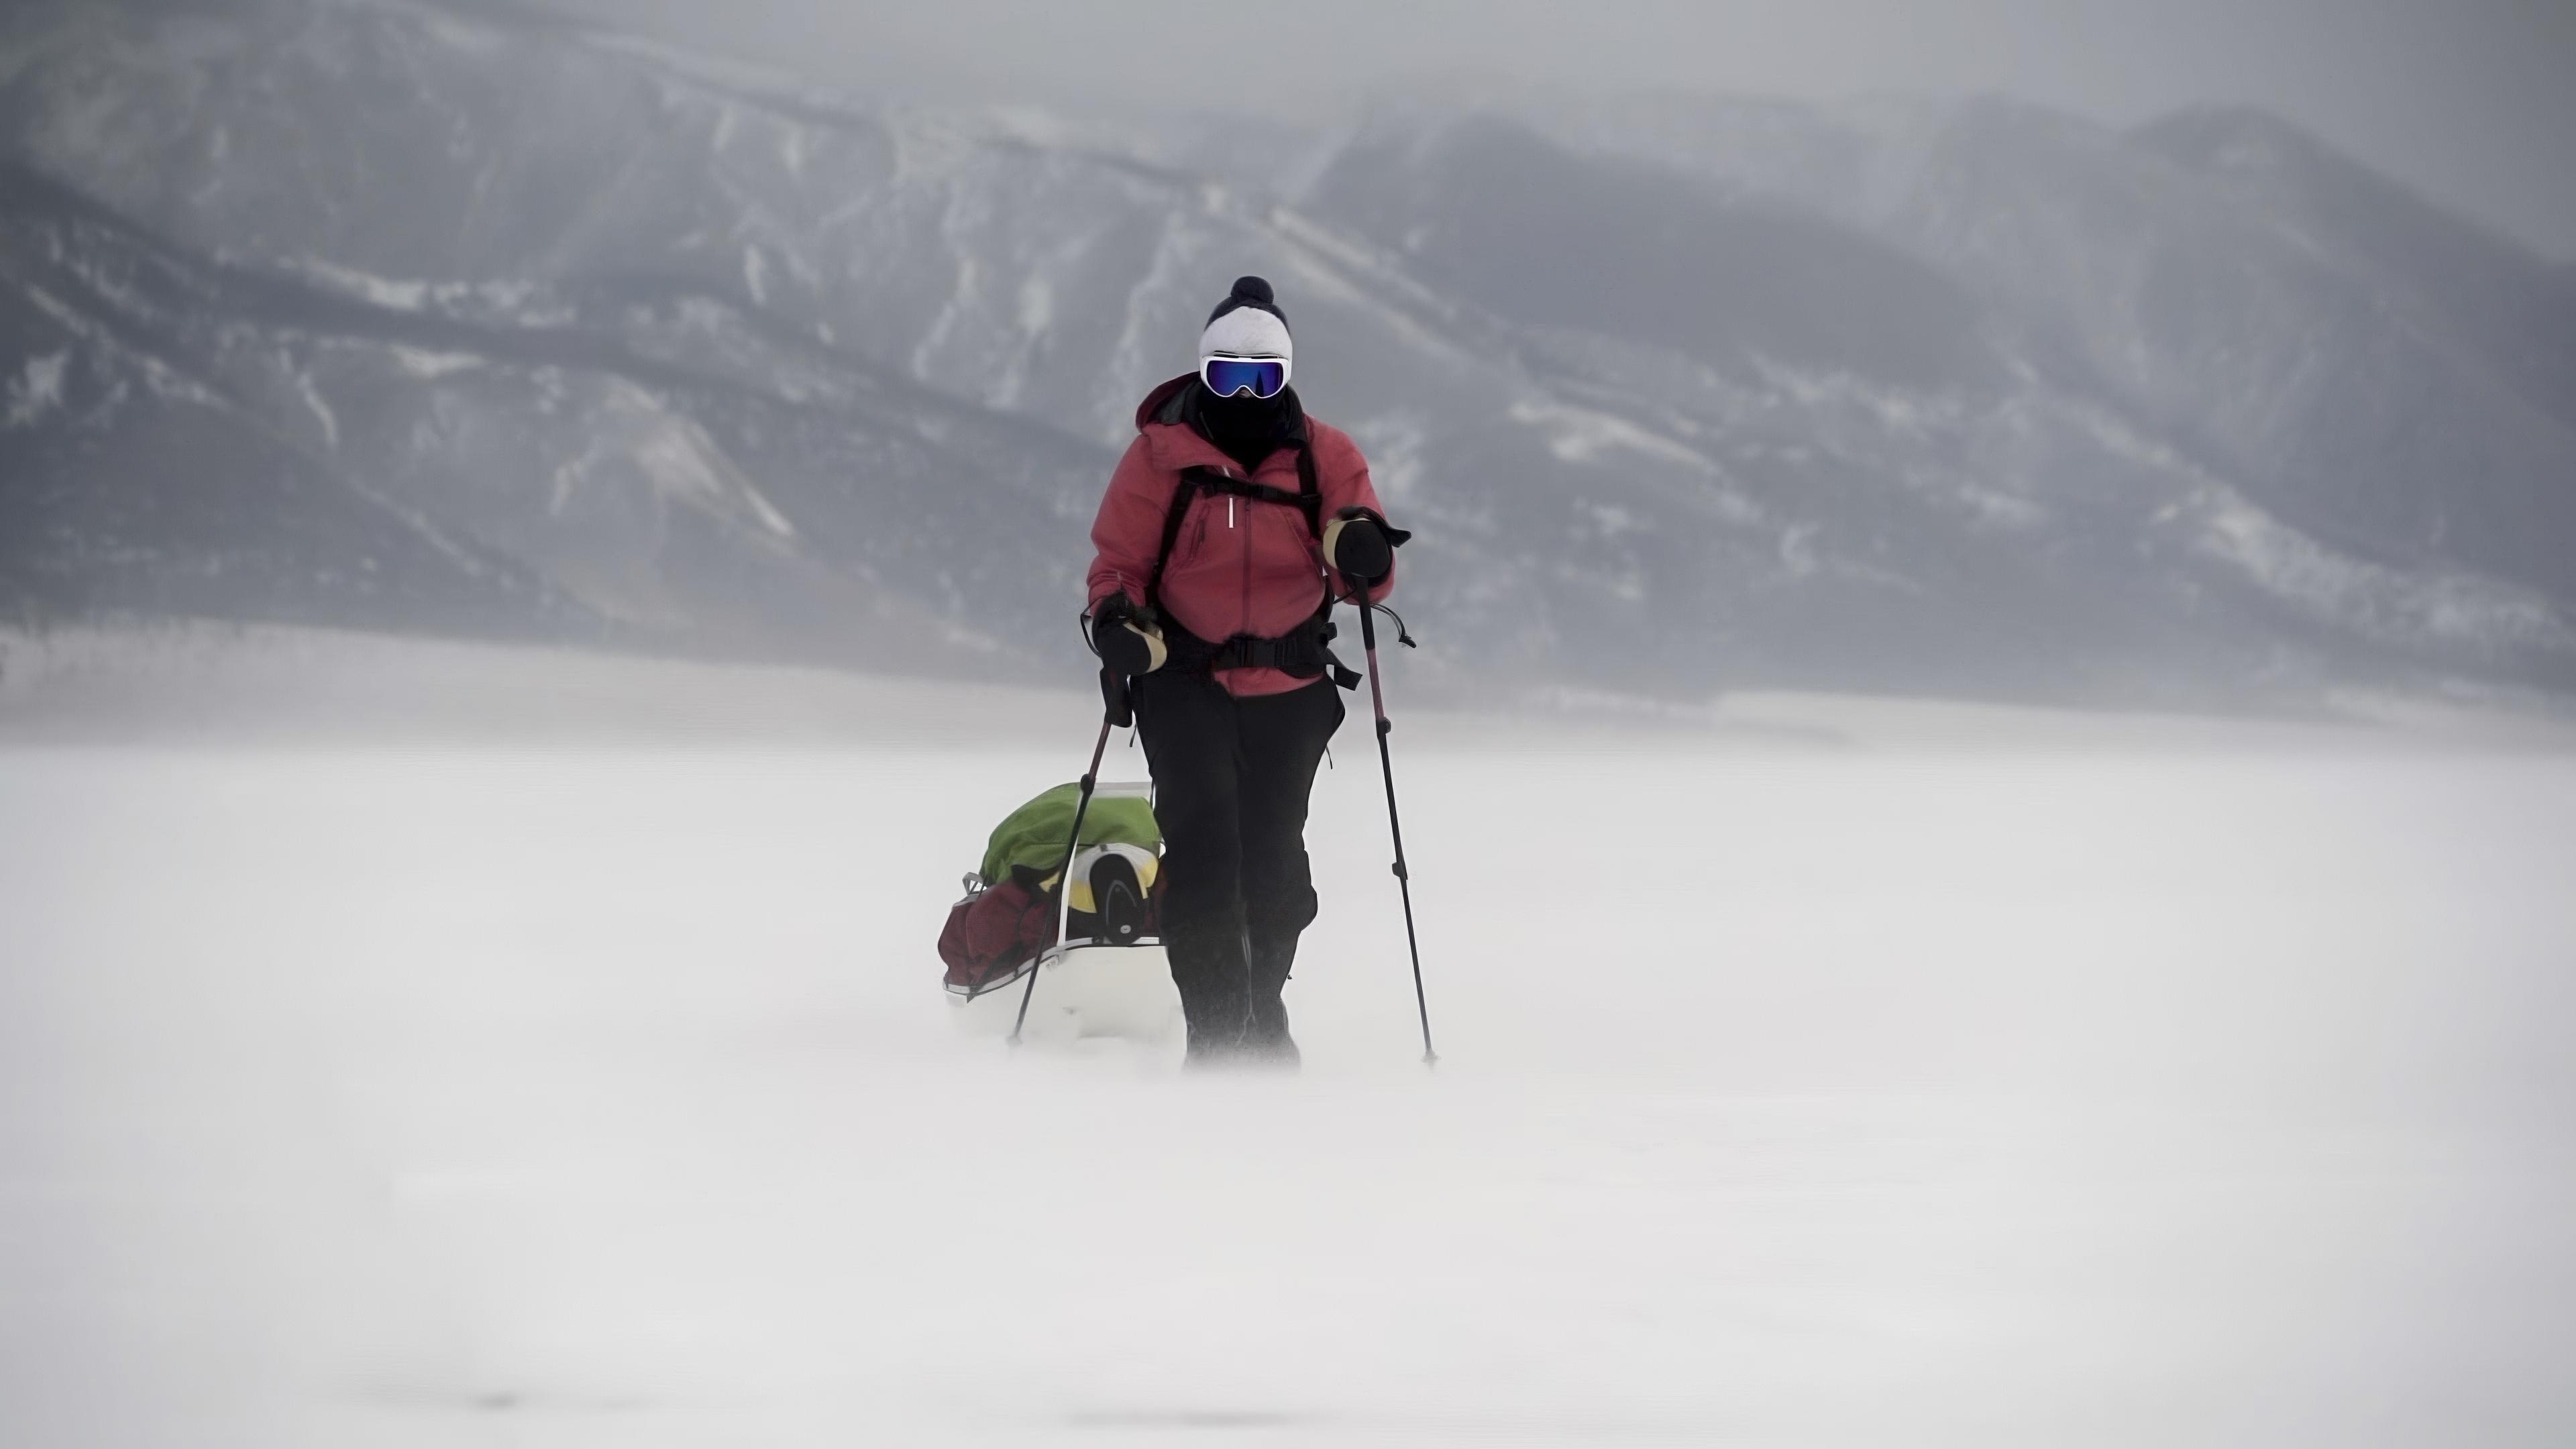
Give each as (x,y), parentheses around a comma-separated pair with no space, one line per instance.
(1238,565)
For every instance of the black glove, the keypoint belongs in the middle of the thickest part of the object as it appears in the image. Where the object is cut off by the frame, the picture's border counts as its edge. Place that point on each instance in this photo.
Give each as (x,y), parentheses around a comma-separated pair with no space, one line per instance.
(1361,547)
(1128,639)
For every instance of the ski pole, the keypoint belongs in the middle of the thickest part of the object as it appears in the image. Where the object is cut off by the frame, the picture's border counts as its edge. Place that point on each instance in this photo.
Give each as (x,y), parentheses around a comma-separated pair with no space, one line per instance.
(1394,824)
(1064,875)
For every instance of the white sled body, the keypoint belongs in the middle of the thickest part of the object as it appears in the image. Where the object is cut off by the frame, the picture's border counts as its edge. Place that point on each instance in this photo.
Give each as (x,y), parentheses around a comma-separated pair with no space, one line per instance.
(1083,991)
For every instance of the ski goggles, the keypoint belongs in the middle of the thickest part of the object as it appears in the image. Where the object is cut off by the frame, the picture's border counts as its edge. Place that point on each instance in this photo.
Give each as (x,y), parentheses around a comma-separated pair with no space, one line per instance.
(1263,377)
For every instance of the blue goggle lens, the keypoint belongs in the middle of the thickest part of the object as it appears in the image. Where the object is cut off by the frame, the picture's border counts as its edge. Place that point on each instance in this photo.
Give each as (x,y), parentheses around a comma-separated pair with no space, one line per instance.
(1261,376)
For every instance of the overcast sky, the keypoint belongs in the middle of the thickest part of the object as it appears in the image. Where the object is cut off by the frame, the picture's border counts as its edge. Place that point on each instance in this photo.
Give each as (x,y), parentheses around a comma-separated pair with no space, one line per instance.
(2473,102)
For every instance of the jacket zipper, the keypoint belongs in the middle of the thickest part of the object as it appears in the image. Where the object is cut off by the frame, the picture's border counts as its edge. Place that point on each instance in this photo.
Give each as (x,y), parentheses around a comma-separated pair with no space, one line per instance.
(1245,614)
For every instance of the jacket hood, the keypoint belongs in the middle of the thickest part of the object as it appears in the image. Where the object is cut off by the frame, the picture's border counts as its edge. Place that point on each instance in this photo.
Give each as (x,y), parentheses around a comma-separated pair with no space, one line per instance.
(1164,398)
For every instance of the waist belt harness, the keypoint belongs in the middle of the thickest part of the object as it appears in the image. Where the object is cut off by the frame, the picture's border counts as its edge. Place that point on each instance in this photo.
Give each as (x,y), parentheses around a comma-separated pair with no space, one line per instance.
(1305,652)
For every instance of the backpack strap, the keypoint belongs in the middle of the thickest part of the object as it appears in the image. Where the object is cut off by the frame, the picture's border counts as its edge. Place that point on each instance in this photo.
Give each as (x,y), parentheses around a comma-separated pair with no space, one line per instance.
(1310,498)
(1174,512)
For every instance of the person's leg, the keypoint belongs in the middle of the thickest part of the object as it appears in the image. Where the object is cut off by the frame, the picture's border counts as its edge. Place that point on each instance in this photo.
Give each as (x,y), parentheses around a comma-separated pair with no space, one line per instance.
(1283,741)
(1187,724)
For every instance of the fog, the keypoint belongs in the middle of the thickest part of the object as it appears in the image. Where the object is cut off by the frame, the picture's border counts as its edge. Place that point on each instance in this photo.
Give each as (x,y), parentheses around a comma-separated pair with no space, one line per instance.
(1986,783)
(2465,102)
(549,1051)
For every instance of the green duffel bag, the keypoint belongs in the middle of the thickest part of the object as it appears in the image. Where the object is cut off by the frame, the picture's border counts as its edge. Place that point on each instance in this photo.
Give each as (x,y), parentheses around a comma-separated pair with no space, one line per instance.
(1034,835)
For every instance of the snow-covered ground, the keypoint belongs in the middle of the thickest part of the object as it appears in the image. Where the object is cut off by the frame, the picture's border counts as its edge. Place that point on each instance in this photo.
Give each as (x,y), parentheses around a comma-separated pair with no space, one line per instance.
(407,1045)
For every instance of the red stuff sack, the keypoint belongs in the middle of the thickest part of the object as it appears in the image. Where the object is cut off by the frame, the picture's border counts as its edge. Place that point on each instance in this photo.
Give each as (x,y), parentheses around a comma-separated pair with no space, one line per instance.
(992,932)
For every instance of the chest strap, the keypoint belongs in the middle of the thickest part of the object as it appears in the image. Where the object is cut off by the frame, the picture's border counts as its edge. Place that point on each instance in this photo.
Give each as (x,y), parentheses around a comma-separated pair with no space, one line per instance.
(1304,652)
(1201,481)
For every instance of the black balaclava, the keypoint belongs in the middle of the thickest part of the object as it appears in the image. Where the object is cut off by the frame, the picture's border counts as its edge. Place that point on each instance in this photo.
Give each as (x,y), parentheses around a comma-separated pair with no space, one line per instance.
(1246,428)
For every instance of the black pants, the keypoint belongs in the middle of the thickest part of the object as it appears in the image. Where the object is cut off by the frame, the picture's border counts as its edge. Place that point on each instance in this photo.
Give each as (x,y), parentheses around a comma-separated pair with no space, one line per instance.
(1231,778)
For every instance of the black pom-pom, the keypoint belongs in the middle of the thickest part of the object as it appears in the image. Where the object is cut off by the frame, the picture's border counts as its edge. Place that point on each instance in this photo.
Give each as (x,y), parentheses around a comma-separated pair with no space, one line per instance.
(1249,292)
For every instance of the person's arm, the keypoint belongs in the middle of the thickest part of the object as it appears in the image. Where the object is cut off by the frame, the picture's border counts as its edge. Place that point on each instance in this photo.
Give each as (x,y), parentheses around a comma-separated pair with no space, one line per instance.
(1126,536)
(1128,531)
(1351,499)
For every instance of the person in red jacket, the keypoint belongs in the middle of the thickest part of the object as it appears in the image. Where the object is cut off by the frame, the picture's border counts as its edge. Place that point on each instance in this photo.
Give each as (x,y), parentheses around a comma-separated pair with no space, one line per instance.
(1231,526)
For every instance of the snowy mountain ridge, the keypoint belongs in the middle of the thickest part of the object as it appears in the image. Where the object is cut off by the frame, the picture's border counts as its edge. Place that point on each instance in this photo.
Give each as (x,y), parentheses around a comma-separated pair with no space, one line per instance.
(706,358)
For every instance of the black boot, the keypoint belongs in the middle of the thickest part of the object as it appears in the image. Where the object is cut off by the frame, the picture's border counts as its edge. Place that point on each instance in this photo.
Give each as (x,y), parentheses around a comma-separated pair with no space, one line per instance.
(1216,1017)
(1207,970)
(1265,1027)
(1265,1037)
